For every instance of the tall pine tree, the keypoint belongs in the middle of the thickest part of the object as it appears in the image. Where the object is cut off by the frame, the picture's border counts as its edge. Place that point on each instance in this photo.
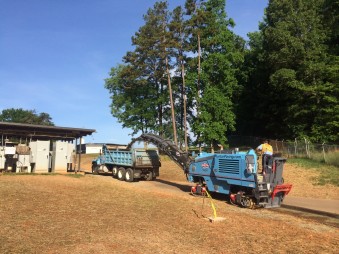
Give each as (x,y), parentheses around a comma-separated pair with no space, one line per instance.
(140,87)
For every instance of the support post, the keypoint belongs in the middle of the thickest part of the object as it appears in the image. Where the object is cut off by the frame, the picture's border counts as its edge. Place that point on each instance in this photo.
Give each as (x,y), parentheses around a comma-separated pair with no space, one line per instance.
(80,151)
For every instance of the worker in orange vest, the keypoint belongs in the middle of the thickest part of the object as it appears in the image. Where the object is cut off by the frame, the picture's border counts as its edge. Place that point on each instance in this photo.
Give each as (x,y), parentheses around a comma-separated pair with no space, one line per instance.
(267,153)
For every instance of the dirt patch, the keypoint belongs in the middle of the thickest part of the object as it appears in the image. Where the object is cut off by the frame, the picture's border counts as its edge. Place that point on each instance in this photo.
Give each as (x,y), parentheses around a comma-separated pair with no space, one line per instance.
(304,186)
(99,214)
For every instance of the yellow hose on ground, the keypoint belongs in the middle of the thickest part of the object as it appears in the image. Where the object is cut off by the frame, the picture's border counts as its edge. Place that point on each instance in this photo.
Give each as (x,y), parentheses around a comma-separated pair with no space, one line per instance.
(214,210)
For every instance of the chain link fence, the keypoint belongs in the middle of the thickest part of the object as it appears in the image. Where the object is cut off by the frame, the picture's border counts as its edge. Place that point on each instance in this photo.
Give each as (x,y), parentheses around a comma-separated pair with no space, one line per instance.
(298,148)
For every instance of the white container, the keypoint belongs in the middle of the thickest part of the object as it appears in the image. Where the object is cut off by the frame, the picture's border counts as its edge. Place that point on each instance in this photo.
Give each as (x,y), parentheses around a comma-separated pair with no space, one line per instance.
(61,156)
(39,156)
(23,164)
(9,150)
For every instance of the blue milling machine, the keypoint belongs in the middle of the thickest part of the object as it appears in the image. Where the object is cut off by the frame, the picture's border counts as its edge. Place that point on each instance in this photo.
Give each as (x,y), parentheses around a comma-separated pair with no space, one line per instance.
(230,172)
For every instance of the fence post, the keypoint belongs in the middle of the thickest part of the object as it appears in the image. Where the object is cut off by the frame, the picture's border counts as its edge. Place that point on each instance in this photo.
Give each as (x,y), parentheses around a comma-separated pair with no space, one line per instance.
(288,151)
(324,151)
(306,148)
(295,147)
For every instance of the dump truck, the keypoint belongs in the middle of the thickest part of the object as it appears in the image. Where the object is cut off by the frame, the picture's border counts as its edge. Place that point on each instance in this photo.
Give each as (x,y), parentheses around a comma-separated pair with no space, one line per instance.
(128,165)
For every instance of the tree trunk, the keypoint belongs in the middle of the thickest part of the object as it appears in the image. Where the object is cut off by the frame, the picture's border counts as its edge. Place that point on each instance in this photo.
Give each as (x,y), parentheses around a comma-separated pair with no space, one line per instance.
(172,105)
(199,71)
(184,95)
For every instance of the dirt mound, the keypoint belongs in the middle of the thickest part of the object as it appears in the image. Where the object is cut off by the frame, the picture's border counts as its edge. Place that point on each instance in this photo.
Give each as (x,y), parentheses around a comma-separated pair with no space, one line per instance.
(304,186)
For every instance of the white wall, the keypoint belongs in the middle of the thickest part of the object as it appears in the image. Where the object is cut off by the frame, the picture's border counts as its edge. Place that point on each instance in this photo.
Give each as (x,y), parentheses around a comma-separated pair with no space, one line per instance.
(93,149)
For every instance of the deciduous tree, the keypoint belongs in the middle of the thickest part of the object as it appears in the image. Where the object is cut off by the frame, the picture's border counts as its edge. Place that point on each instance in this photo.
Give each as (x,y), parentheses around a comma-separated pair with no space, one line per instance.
(20,115)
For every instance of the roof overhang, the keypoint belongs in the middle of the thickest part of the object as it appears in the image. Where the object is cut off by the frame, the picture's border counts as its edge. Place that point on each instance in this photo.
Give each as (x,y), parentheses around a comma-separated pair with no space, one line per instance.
(41,132)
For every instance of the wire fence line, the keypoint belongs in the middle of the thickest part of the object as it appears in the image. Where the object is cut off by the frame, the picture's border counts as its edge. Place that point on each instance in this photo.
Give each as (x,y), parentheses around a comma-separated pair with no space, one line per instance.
(296,148)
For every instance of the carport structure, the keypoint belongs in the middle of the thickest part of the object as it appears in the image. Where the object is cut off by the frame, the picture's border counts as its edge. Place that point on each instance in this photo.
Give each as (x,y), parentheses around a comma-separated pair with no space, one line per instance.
(31,132)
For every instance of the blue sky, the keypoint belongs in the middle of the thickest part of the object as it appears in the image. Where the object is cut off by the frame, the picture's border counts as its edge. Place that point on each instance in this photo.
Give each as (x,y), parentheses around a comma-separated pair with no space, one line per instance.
(55,55)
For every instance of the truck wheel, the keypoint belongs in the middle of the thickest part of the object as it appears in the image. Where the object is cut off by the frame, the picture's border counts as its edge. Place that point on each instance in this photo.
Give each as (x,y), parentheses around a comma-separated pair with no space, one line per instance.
(95,169)
(121,174)
(149,176)
(115,171)
(129,175)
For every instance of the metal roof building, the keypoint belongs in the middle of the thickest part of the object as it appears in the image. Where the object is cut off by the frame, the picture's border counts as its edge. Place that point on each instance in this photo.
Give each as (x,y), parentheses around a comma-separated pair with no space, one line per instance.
(41,132)
(30,132)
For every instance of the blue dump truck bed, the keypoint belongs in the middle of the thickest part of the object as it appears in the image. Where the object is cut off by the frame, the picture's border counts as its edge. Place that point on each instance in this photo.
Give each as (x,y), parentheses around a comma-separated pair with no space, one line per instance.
(128,165)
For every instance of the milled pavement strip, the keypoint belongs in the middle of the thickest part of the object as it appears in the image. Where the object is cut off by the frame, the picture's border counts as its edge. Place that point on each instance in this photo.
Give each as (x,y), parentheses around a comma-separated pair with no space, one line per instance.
(324,207)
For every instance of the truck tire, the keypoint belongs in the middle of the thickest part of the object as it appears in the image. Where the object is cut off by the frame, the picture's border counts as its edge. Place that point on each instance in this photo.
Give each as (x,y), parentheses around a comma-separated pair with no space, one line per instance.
(115,171)
(95,169)
(129,175)
(149,176)
(121,174)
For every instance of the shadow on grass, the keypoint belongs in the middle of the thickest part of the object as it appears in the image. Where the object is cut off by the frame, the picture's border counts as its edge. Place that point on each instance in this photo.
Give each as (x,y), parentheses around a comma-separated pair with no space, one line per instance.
(100,174)
(182,187)
(187,189)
